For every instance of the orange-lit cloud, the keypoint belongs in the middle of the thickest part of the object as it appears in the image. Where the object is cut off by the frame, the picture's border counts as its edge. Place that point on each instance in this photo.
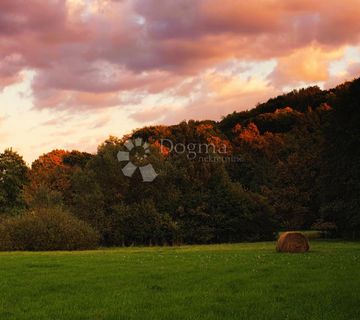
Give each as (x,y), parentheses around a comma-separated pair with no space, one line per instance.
(309,64)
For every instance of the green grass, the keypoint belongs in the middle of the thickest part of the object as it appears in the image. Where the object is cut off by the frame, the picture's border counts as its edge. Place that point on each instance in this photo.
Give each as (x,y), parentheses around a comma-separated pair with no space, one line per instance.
(239,281)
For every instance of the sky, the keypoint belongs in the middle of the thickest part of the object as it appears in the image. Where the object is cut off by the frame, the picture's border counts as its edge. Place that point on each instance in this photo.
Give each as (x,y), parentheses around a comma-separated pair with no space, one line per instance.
(74,72)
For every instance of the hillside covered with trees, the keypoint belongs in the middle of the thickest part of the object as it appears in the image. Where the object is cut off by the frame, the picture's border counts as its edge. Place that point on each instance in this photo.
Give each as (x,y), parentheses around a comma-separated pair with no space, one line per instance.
(291,163)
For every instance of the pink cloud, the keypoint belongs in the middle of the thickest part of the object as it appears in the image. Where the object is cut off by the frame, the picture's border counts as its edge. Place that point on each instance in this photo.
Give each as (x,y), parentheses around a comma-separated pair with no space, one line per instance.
(85,55)
(219,95)
(217,107)
(151,114)
(351,72)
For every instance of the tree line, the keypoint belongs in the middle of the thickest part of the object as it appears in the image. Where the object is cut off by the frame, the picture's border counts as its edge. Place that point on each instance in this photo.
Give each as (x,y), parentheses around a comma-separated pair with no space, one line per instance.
(299,169)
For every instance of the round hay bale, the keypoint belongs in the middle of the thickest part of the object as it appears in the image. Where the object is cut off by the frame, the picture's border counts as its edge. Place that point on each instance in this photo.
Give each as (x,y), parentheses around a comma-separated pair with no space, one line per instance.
(293,242)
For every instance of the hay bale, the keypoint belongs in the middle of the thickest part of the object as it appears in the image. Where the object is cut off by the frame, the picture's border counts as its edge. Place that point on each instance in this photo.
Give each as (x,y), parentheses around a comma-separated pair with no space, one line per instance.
(293,242)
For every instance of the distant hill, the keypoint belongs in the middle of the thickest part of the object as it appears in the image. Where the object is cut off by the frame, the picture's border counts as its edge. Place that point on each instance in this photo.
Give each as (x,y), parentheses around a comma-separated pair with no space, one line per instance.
(300,150)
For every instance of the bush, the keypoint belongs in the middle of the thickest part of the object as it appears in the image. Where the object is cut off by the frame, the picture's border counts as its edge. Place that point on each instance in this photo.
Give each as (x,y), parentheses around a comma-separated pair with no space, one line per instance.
(46,229)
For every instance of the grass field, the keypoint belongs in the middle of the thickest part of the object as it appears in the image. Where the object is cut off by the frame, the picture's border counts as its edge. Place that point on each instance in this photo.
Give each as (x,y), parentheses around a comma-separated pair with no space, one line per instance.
(239,281)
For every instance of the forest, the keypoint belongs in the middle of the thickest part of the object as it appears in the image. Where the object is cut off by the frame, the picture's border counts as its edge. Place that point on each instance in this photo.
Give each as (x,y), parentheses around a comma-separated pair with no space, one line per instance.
(297,168)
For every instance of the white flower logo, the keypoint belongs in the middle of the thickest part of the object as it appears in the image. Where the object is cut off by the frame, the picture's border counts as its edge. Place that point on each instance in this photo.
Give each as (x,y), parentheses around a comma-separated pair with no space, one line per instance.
(137,158)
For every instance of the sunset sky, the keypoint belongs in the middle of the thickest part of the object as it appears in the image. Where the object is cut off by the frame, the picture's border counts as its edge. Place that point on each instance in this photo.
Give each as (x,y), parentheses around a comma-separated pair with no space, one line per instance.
(74,72)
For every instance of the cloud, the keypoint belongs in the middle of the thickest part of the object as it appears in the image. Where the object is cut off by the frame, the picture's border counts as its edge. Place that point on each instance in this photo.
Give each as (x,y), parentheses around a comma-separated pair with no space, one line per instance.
(90,54)
(10,70)
(94,85)
(350,73)
(217,95)
(151,114)
(309,64)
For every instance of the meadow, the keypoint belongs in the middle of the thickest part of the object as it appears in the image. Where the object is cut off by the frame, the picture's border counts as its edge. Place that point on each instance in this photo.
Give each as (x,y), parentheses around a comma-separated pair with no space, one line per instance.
(232,281)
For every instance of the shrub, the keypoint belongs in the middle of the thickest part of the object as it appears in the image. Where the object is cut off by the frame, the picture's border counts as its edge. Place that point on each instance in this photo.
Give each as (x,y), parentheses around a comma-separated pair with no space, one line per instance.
(46,229)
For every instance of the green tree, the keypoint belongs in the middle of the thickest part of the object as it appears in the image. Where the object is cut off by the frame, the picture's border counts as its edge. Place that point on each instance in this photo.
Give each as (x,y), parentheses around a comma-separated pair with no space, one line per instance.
(13,177)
